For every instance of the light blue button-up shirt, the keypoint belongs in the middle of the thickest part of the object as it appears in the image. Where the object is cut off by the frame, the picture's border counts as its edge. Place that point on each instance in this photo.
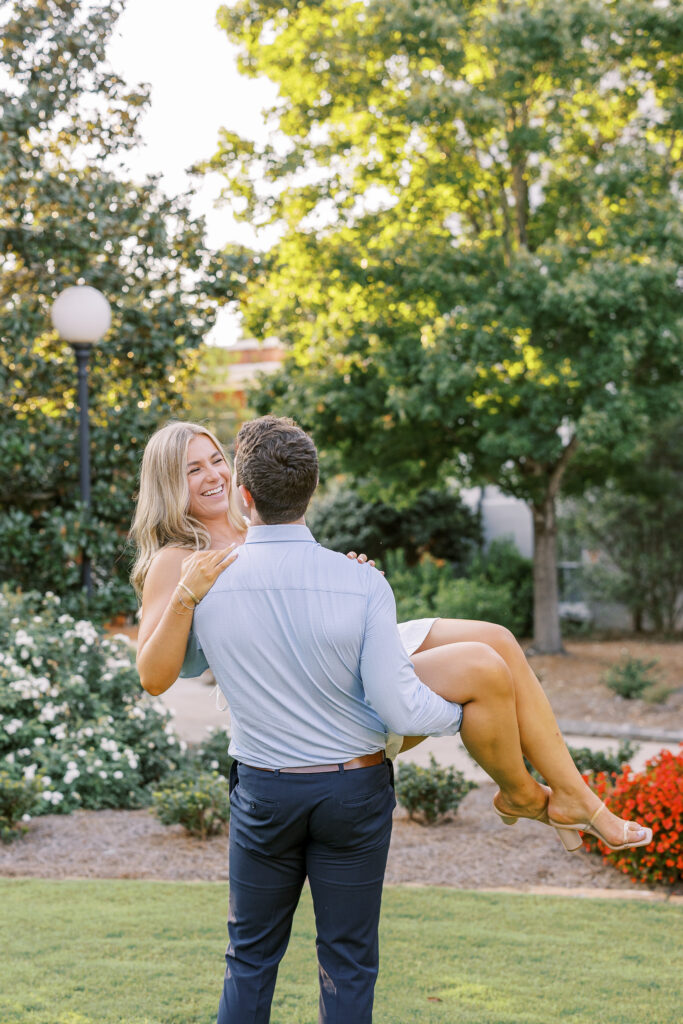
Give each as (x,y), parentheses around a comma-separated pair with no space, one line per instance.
(304,645)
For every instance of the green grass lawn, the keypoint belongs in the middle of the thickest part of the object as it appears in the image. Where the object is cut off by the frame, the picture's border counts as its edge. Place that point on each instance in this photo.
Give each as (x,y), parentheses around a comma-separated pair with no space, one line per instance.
(128,952)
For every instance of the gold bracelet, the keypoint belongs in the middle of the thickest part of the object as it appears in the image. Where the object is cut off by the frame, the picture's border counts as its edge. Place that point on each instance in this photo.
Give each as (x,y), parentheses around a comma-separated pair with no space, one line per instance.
(178,596)
(188,592)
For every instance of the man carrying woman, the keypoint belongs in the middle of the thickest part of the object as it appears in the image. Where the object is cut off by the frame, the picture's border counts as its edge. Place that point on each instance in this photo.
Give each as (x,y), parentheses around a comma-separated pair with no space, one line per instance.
(303,643)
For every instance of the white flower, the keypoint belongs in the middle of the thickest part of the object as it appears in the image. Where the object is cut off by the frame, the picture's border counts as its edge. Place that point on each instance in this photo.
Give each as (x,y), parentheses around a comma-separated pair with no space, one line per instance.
(24,752)
(59,732)
(47,781)
(39,741)
(102,775)
(97,762)
(36,661)
(26,817)
(53,797)
(71,776)
(10,758)
(30,772)
(13,725)
(118,774)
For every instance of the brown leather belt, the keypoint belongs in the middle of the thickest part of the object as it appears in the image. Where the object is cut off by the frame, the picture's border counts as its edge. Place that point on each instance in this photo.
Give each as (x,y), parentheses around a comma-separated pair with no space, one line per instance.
(365,761)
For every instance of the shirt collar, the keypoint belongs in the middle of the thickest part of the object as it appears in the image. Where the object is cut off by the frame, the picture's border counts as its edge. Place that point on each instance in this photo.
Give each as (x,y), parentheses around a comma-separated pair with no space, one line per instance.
(279,532)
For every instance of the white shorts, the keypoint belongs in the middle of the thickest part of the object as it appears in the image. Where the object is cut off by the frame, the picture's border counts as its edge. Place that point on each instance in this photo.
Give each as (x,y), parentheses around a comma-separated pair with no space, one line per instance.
(413,635)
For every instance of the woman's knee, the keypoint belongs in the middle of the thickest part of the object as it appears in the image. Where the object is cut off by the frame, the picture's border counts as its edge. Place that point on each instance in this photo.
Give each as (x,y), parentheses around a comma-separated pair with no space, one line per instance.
(492,670)
(502,640)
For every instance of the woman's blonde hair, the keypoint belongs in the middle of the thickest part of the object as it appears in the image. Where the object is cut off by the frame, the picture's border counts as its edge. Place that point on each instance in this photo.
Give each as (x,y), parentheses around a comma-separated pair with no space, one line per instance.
(162,518)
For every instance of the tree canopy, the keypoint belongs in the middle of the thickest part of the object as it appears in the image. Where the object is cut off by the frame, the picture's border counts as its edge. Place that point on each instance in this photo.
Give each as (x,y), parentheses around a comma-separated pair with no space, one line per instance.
(480,235)
(69,214)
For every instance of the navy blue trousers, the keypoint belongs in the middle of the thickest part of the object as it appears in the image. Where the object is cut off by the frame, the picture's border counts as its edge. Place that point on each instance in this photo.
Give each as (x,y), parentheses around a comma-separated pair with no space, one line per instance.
(334,829)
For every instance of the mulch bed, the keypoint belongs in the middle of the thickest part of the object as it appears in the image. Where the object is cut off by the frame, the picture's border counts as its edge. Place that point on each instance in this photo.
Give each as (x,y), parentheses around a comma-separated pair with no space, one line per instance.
(472,850)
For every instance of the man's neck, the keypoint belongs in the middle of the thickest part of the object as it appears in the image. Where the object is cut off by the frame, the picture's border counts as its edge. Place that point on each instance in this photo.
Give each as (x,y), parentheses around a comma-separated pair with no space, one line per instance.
(255,520)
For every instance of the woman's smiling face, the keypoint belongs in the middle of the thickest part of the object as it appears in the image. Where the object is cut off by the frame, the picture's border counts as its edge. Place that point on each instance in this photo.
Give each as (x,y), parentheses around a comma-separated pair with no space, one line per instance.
(208,478)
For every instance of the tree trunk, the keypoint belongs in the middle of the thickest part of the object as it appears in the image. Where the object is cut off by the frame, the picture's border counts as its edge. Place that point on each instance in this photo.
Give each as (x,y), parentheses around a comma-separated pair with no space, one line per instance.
(547,634)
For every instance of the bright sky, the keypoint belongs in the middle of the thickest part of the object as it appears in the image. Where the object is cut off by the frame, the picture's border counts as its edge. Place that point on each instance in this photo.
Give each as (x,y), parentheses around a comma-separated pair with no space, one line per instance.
(195,90)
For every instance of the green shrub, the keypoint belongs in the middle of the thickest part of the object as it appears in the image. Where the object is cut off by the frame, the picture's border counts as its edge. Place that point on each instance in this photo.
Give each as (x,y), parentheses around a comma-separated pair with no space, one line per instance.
(72,710)
(437,523)
(18,800)
(479,599)
(502,564)
(200,803)
(415,587)
(212,754)
(430,588)
(611,762)
(591,762)
(430,793)
(631,677)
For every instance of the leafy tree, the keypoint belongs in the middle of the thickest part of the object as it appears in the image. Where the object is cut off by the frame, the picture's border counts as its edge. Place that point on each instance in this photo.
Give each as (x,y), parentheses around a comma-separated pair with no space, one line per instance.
(635,521)
(209,399)
(69,215)
(479,235)
(436,523)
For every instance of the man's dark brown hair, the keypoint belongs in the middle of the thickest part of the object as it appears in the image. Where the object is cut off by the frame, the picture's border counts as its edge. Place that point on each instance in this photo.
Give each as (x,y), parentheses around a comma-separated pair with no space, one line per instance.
(278,464)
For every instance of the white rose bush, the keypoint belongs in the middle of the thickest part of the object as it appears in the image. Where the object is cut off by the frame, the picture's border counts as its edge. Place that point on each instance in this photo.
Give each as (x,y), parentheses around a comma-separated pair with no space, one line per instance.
(76,728)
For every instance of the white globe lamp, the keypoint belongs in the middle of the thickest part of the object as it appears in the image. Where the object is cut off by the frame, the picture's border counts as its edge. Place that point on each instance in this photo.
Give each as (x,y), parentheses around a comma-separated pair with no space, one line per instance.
(81,315)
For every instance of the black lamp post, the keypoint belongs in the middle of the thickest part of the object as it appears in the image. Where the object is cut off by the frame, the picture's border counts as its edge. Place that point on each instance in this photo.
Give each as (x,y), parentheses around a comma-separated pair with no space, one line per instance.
(81,315)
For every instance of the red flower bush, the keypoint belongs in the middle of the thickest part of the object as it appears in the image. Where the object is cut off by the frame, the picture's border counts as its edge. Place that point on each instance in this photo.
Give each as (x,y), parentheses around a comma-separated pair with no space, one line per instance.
(653,797)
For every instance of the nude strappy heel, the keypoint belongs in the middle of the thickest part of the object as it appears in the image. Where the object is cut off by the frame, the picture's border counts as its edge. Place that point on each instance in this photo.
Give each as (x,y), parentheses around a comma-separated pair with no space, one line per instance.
(591,828)
(571,842)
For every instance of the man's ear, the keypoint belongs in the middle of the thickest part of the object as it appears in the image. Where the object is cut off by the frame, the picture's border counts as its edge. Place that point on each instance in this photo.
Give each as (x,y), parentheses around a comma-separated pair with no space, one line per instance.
(246,496)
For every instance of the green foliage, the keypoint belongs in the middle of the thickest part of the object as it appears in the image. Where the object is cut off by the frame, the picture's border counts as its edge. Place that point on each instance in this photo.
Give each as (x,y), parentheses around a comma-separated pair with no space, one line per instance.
(431,589)
(212,754)
(208,399)
(18,799)
(631,677)
(430,793)
(481,275)
(73,713)
(634,522)
(437,523)
(415,587)
(68,215)
(609,761)
(502,565)
(200,803)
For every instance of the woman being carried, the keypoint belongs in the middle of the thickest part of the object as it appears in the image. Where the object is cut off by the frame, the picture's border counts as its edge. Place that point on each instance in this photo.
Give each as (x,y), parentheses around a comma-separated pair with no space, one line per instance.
(188,527)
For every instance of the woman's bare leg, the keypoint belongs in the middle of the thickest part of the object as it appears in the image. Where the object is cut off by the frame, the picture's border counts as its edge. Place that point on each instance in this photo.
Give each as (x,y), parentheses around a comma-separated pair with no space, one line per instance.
(474,675)
(541,741)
